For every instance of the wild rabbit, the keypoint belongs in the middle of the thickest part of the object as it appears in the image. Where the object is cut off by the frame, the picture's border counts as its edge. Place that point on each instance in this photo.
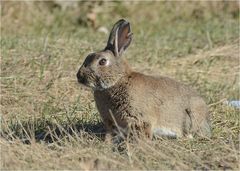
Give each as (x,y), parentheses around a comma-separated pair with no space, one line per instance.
(128,100)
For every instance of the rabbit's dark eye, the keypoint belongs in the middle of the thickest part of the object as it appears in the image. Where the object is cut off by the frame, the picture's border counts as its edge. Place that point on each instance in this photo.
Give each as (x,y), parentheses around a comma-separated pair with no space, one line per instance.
(103,61)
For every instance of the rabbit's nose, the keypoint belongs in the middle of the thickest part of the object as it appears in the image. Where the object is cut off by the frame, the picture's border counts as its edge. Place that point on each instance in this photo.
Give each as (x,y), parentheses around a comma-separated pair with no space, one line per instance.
(81,78)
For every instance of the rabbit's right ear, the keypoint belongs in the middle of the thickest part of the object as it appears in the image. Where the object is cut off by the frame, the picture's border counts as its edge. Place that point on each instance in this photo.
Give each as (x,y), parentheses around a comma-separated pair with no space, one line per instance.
(119,38)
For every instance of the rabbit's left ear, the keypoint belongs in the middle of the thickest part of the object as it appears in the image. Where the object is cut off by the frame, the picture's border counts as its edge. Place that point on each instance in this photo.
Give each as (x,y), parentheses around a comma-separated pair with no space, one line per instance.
(120,37)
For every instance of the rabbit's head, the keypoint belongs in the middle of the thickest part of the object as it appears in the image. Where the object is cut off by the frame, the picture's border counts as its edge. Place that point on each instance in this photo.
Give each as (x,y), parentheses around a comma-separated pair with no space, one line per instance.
(103,69)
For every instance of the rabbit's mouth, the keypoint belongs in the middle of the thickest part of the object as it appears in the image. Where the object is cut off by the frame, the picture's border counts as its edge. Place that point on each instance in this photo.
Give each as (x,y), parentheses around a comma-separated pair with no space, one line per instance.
(89,84)
(83,80)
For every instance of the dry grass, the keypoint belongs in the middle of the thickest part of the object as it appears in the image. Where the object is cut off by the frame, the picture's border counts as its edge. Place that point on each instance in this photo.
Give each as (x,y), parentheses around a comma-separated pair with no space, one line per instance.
(49,122)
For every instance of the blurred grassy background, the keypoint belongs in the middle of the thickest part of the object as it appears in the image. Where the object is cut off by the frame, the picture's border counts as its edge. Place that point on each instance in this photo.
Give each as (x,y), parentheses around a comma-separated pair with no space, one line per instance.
(44,110)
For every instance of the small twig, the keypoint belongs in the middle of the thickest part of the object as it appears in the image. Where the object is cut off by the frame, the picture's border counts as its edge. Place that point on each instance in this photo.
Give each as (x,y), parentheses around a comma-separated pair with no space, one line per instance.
(218,102)
(45,44)
(115,122)
(209,40)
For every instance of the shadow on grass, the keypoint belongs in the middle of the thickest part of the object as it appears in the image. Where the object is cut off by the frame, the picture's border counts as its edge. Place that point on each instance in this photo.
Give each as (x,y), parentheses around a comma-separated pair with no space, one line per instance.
(50,132)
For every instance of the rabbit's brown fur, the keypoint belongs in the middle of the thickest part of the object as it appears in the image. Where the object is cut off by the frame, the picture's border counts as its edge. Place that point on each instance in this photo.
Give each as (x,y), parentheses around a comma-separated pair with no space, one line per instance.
(128,100)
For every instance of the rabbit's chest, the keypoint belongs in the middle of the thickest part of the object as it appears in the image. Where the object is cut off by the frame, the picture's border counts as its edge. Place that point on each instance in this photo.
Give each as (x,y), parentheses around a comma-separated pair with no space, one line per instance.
(115,104)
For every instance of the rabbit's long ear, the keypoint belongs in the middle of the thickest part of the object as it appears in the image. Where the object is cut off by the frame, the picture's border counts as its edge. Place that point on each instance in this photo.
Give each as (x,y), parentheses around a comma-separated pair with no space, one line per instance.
(120,37)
